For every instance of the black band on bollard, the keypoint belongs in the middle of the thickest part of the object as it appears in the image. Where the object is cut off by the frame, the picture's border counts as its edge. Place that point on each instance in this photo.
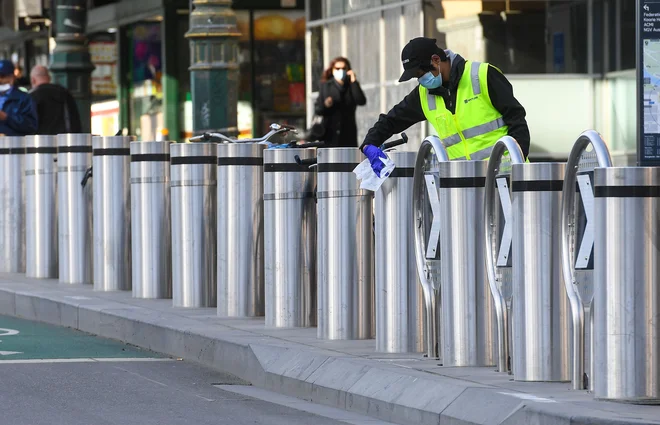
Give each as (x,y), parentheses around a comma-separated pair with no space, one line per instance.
(462,182)
(338,167)
(248,161)
(42,149)
(403,172)
(538,186)
(150,157)
(627,191)
(74,149)
(287,168)
(189,160)
(112,152)
(12,151)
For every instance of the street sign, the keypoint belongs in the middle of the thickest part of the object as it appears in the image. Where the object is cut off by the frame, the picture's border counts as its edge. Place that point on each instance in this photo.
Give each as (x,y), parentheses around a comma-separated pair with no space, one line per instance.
(648,82)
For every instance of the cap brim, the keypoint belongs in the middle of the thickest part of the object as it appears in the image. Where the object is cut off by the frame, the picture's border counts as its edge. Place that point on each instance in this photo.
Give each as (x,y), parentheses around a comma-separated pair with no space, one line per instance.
(408,74)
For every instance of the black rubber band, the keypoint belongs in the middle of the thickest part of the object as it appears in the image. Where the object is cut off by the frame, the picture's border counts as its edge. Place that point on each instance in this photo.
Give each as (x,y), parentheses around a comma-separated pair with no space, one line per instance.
(188,160)
(112,152)
(627,192)
(336,167)
(287,168)
(12,151)
(42,149)
(74,149)
(403,172)
(538,186)
(247,161)
(462,182)
(150,157)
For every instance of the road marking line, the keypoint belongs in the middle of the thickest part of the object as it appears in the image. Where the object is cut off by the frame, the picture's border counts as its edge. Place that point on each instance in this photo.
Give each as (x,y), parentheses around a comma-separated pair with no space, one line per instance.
(86,360)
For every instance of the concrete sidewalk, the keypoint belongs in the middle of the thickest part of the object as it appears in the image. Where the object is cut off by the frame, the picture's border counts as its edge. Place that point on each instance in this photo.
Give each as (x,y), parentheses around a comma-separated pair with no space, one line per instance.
(405,389)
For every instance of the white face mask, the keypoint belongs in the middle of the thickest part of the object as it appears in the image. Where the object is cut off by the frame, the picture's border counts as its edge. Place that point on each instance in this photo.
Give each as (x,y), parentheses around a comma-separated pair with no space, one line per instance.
(339,74)
(4,87)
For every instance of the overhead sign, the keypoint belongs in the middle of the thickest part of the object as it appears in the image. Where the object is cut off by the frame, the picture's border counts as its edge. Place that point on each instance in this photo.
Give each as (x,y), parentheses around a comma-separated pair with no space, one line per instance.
(648,82)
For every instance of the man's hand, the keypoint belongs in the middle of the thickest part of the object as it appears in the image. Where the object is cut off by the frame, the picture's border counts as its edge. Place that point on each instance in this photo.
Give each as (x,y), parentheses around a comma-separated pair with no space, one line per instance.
(351,74)
(328,102)
(3,116)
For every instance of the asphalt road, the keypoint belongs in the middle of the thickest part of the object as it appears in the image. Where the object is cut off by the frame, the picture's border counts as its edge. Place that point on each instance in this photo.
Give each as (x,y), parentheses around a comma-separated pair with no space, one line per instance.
(52,376)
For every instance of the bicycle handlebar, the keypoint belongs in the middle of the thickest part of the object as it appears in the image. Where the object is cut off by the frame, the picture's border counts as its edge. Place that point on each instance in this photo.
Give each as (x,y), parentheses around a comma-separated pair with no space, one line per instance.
(402,141)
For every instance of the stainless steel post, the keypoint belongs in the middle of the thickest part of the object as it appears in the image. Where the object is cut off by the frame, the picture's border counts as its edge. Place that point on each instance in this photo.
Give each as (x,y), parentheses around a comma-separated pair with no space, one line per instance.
(41,207)
(577,233)
(240,230)
(627,293)
(112,213)
(541,315)
(289,239)
(74,158)
(498,231)
(399,295)
(426,216)
(12,205)
(151,227)
(193,194)
(345,248)
(469,329)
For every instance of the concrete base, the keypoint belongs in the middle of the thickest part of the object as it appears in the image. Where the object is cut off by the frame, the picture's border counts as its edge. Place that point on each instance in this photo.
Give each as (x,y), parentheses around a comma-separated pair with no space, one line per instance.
(404,389)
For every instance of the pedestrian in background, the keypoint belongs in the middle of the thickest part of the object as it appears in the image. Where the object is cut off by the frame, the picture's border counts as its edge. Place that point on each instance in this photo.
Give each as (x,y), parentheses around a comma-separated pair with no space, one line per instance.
(18,116)
(56,108)
(339,96)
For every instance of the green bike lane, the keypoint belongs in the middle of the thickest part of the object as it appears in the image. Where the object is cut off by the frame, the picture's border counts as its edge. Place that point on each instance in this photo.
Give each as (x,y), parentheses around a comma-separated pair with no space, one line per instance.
(26,340)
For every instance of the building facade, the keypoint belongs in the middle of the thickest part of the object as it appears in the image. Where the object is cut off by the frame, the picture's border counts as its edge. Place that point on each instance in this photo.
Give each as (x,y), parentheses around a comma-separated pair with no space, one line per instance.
(571,62)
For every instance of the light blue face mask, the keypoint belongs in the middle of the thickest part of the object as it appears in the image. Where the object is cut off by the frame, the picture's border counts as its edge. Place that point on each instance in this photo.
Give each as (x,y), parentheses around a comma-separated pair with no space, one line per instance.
(430,81)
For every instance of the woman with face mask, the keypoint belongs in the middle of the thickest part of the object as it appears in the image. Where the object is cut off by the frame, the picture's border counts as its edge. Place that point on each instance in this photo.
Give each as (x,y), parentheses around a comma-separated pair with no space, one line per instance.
(339,96)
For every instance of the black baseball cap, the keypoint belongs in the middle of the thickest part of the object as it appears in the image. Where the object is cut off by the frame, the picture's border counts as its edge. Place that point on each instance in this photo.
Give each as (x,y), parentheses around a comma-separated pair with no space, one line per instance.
(417,53)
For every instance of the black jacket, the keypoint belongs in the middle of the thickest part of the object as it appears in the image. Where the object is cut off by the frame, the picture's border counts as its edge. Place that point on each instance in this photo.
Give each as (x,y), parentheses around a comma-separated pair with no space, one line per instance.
(339,119)
(56,109)
(409,110)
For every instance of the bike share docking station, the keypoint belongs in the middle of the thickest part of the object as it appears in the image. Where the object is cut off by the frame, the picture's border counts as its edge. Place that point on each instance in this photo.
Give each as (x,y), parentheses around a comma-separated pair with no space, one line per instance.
(570,264)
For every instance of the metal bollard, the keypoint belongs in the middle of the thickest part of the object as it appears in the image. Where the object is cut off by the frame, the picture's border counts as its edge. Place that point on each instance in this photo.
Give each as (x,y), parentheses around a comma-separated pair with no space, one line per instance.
(112,213)
(193,196)
(240,230)
(627,291)
(41,207)
(12,205)
(541,313)
(426,215)
(399,298)
(345,248)
(468,335)
(289,239)
(151,227)
(577,233)
(74,202)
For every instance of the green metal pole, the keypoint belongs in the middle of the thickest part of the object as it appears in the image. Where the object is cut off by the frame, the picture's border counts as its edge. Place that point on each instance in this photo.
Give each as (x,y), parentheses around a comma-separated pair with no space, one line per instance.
(170,81)
(213,68)
(70,64)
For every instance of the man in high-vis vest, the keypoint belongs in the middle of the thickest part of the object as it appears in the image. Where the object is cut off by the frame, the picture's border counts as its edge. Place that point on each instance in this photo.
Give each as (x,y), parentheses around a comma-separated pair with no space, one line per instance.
(470,105)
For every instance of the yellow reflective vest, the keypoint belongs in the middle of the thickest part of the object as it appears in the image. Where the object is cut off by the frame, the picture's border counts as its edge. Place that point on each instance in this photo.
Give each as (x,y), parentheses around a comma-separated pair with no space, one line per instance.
(472,131)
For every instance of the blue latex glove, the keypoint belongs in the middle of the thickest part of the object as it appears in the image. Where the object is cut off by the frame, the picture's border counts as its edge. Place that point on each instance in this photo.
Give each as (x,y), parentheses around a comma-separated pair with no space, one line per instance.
(374,154)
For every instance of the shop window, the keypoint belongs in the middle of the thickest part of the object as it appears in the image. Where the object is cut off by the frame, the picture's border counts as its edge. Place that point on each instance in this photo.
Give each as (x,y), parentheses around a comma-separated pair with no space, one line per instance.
(272,69)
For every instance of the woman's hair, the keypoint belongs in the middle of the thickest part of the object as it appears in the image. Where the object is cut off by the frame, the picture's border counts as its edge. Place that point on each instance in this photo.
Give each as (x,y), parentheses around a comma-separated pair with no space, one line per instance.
(327,74)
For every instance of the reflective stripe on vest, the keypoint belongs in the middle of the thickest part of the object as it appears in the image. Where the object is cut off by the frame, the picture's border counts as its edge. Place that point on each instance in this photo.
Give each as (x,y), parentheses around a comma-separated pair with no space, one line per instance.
(476,125)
